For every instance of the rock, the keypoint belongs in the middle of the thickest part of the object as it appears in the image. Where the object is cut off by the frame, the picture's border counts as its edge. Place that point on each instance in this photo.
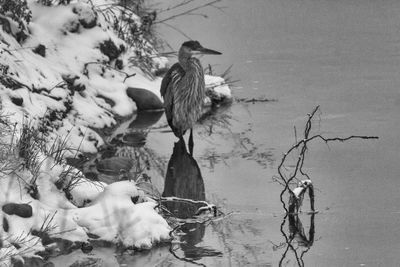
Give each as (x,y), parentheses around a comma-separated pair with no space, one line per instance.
(6,226)
(87,17)
(107,100)
(135,199)
(115,165)
(88,23)
(73,84)
(122,48)
(119,64)
(45,237)
(93,236)
(135,139)
(66,246)
(108,151)
(21,36)
(10,82)
(144,99)
(6,26)
(109,49)
(77,161)
(17,100)
(86,247)
(40,50)
(72,26)
(37,262)
(92,176)
(21,210)
(78,87)
(17,262)
(88,262)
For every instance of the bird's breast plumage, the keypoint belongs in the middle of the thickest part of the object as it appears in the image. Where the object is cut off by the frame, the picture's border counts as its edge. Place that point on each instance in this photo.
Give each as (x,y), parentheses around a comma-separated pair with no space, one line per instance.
(188,95)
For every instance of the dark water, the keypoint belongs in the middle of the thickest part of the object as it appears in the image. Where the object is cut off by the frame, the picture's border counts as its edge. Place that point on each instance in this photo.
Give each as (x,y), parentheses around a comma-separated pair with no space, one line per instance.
(341,55)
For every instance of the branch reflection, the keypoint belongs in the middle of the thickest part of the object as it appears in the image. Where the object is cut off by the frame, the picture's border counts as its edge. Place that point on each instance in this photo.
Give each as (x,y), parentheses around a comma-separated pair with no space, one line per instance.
(296,239)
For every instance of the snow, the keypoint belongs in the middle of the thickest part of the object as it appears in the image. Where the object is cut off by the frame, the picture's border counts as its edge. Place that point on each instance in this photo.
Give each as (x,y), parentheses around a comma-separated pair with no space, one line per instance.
(86,191)
(218,85)
(302,186)
(111,214)
(107,211)
(114,217)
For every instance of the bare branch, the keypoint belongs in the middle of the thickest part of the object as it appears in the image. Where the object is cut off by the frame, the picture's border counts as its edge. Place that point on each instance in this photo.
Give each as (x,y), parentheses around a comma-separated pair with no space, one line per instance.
(302,146)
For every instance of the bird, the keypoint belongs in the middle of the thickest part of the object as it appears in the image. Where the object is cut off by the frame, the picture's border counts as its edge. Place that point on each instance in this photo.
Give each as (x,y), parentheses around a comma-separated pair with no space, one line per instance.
(183,89)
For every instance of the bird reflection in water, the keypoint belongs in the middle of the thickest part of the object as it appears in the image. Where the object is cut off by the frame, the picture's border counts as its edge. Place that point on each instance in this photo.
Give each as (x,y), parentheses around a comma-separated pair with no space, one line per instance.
(184,180)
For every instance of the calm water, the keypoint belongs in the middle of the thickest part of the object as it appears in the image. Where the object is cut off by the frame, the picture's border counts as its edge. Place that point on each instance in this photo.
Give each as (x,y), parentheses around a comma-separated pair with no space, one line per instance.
(343,55)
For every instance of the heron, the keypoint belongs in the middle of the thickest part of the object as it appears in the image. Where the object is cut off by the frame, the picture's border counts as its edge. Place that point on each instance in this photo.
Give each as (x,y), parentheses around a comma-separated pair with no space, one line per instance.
(183,90)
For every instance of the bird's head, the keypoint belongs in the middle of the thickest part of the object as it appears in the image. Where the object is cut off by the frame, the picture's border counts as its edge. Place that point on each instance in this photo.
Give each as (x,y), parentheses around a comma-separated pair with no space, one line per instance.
(191,48)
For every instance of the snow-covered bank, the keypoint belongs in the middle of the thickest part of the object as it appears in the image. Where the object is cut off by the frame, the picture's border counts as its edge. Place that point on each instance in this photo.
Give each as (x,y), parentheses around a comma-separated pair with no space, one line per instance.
(81,78)
(67,78)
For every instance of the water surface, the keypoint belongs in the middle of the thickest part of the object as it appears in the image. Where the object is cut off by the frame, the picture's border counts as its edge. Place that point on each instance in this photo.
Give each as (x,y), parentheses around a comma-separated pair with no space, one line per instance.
(341,55)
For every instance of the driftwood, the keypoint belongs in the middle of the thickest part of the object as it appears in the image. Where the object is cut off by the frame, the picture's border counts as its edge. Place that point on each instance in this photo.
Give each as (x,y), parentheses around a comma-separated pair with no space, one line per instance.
(255,100)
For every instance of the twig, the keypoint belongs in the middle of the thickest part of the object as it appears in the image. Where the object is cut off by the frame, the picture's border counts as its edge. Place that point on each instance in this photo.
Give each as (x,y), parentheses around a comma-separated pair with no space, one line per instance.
(188,12)
(183,3)
(85,70)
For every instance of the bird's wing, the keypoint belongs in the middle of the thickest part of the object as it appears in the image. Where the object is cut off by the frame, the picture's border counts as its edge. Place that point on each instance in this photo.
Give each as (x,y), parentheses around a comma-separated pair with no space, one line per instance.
(168,83)
(175,72)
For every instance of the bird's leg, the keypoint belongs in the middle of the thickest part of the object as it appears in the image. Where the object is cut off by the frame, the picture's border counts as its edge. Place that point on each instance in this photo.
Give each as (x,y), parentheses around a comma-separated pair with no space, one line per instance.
(182,140)
(191,144)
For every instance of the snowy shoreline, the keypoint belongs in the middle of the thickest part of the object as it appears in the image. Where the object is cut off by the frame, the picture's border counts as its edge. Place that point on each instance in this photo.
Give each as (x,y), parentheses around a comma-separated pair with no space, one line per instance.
(72,74)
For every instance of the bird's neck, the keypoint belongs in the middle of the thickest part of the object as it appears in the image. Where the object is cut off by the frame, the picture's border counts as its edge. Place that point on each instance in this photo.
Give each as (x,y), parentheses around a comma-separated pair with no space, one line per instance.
(191,65)
(184,61)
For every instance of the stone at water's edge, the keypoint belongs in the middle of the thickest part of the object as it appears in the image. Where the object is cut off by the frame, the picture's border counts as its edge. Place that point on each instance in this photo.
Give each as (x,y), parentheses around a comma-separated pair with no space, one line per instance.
(115,165)
(89,261)
(144,99)
(6,226)
(21,210)
(34,261)
(134,139)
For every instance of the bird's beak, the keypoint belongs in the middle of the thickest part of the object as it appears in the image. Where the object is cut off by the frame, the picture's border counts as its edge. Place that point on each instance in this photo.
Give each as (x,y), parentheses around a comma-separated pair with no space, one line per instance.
(206,51)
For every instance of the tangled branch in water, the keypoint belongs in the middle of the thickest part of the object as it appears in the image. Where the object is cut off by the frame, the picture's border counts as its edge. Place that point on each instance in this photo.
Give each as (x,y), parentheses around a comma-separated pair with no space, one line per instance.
(297,194)
(206,206)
